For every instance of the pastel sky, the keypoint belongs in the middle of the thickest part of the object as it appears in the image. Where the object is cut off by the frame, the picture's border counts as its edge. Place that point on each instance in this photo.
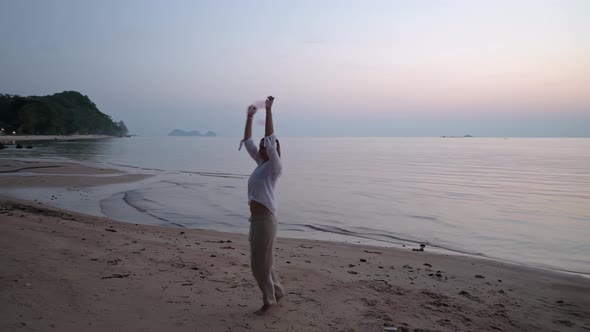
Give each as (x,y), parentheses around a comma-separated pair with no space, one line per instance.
(337,68)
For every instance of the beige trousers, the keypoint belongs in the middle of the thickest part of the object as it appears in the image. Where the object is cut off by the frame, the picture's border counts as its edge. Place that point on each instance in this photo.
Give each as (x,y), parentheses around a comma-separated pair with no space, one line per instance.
(263,230)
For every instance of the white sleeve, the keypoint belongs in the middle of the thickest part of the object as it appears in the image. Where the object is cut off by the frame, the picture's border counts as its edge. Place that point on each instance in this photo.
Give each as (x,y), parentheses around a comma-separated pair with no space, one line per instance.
(252,150)
(270,143)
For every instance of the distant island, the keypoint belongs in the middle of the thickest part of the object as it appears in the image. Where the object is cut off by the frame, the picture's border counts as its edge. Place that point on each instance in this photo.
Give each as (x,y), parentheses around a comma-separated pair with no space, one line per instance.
(64,113)
(179,132)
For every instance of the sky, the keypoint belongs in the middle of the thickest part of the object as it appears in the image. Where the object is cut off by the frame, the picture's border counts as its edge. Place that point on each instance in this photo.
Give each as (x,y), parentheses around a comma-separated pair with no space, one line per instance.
(336,68)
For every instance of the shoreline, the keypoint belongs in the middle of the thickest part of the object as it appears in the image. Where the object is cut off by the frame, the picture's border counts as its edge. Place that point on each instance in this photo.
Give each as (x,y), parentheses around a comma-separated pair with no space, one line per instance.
(32,138)
(75,176)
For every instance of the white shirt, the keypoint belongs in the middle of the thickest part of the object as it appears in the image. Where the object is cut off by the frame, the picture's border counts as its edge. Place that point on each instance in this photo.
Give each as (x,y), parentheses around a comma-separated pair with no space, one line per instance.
(261,185)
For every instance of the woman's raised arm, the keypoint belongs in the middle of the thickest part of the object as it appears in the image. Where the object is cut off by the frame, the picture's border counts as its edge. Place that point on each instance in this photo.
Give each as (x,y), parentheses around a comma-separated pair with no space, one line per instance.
(269,127)
(250,115)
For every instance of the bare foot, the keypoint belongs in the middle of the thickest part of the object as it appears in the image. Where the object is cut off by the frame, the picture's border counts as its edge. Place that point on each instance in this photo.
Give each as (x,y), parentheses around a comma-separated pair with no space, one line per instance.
(279,297)
(265,309)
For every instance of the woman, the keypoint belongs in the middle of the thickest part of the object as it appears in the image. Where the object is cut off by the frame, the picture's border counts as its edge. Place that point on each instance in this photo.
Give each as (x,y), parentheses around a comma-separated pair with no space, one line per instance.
(263,222)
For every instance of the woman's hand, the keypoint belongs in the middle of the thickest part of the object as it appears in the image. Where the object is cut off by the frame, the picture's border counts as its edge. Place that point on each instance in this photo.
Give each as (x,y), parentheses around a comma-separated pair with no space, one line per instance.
(251,110)
(268,102)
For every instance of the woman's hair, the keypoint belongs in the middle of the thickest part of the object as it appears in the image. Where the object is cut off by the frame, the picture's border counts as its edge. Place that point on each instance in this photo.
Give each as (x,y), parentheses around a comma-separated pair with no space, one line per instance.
(278,145)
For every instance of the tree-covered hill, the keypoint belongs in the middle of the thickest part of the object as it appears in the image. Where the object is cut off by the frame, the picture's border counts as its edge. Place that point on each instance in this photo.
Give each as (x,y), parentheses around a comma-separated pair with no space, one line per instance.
(63,113)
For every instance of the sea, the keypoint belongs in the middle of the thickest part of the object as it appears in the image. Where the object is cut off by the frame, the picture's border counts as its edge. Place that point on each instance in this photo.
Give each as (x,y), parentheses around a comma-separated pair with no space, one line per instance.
(519,200)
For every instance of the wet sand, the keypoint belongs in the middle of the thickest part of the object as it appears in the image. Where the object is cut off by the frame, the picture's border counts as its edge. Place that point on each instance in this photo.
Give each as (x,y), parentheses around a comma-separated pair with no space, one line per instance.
(63,175)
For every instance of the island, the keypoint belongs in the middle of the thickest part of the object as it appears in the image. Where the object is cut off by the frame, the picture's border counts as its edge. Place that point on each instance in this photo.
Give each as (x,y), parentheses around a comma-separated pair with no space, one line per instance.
(179,132)
(456,136)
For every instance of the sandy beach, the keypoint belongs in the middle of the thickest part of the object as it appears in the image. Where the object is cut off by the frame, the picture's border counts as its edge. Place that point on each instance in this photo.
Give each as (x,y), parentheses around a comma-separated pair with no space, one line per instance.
(20,138)
(66,271)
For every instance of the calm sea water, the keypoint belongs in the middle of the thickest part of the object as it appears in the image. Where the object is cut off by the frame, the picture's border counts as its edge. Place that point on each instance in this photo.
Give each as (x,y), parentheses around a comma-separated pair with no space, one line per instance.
(523,200)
